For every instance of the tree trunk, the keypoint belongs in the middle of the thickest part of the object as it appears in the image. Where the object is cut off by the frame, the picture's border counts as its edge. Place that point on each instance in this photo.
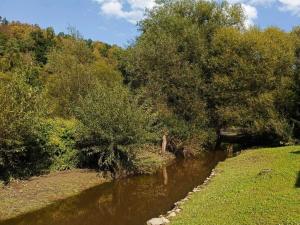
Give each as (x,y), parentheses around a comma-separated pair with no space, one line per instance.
(229,150)
(164,144)
(218,141)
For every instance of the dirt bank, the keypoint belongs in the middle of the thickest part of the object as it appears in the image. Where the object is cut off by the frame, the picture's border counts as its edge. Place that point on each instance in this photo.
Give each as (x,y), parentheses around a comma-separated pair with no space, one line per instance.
(24,196)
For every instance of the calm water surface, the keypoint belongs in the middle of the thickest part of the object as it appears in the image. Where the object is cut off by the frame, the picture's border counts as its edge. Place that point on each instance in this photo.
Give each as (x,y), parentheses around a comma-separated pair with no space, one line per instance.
(130,201)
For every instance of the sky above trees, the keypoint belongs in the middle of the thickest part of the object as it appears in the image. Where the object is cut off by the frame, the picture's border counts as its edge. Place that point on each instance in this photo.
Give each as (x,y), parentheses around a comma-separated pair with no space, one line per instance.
(114,21)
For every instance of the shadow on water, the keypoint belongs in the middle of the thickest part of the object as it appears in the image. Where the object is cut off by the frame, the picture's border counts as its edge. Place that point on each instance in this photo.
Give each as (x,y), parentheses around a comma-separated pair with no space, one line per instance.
(131,201)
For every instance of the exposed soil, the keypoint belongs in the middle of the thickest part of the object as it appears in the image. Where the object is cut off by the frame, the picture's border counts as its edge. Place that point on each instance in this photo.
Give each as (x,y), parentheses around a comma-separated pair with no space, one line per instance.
(20,197)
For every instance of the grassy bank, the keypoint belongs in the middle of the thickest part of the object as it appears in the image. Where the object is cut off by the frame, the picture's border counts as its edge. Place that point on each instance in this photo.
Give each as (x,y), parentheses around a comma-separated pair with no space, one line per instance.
(258,187)
(24,196)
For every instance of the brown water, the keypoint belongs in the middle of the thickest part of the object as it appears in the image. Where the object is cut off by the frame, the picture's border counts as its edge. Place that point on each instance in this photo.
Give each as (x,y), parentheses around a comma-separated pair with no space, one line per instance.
(130,201)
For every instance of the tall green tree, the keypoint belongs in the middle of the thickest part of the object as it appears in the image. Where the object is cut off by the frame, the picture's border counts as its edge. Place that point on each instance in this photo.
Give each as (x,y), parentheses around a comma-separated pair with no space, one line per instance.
(168,62)
(251,80)
(295,114)
(21,146)
(43,41)
(71,73)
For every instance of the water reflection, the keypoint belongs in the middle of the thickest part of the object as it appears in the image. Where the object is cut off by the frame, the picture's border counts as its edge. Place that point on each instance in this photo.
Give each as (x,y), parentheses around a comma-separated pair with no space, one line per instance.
(130,201)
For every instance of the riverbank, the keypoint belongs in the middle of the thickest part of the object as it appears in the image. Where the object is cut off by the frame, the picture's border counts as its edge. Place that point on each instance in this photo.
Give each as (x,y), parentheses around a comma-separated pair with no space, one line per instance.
(128,201)
(25,196)
(21,197)
(258,187)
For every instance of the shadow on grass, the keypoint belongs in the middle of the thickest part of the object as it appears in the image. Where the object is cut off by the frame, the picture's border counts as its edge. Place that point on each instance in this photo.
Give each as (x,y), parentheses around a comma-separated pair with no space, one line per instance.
(296,153)
(297,185)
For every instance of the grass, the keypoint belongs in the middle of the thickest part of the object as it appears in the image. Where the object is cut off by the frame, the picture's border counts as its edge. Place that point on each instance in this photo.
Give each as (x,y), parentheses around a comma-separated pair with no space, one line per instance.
(257,187)
(21,197)
(148,162)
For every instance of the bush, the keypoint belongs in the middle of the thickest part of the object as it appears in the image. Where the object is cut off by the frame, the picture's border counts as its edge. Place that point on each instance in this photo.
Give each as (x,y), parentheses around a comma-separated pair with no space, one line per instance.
(112,122)
(21,144)
(192,137)
(60,136)
(147,160)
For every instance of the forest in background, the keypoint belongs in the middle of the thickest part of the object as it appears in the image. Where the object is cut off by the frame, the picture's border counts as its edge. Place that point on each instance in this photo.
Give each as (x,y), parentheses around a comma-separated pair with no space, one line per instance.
(194,72)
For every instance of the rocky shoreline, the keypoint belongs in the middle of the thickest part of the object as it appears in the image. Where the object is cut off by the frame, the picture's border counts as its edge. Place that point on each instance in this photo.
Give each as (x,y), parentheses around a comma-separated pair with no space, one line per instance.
(165,219)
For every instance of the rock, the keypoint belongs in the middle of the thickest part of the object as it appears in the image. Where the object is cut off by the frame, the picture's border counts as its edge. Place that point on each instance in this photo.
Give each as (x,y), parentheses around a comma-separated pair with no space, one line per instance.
(166,221)
(172,214)
(158,221)
(177,210)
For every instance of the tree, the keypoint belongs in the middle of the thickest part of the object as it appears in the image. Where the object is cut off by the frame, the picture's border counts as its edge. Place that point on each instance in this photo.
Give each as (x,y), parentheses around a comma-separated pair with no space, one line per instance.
(295,114)
(21,151)
(72,72)
(251,80)
(167,64)
(42,43)
(3,21)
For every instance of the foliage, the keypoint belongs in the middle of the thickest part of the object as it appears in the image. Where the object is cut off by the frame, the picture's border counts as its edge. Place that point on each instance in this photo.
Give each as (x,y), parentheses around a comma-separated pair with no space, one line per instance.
(64,74)
(42,42)
(112,123)
(167,61)
(71,72)
(60,143)
(147,159)
(295,114)
(204,72)
(251,79)
(21,151)
(194,72)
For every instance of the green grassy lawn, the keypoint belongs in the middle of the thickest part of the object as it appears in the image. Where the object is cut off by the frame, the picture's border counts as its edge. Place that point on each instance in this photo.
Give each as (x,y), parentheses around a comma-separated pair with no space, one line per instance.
(257,187)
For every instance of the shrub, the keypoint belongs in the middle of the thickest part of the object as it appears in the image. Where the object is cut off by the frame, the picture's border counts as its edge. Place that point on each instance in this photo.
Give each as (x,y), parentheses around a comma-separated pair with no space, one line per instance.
(60,136)
(21,145)
(147,160)
(112,122)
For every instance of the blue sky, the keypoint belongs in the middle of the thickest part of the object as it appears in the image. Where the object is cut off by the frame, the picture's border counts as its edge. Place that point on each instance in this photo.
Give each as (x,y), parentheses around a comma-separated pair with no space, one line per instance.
(114,21)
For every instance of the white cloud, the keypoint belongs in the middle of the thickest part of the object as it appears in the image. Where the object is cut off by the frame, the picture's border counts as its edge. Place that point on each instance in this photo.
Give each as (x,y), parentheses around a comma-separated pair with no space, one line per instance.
(249,6)
(141,4)
(250,13)
(135,8)
(261,2)
(292,6)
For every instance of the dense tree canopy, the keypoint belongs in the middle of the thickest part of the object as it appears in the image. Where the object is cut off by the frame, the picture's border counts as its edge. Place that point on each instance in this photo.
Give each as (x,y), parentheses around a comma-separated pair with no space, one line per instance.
(296,100)
(194,72)
(169,61)
(200,65)
(251,78)
(64,105)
